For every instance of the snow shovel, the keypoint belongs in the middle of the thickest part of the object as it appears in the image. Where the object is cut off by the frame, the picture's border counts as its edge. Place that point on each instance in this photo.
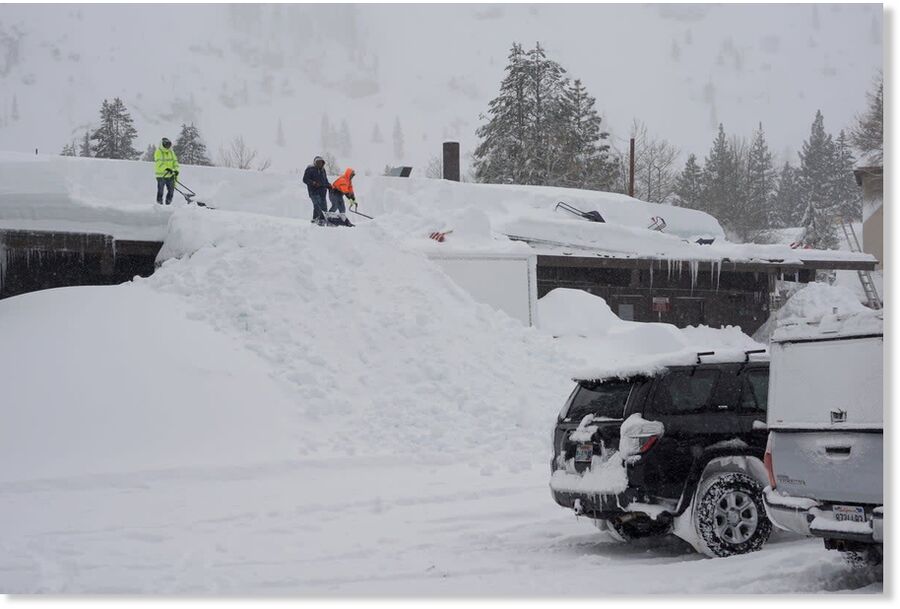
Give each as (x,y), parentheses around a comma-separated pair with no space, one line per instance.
(353,207)
(189,195)
(593,216)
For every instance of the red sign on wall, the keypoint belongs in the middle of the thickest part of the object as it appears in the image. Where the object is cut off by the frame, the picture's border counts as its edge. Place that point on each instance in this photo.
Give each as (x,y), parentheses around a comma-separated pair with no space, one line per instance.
(661,304)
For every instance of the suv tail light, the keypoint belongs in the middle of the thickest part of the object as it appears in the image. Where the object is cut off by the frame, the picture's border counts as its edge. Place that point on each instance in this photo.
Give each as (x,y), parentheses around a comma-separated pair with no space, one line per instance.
(639,435)
(646,443)
(767,461)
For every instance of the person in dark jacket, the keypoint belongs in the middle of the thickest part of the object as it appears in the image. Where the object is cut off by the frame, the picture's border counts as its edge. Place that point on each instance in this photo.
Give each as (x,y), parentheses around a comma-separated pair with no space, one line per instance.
(317,184)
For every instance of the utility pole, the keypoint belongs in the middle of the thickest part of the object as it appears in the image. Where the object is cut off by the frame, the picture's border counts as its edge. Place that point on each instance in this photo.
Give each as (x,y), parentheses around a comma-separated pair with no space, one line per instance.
(631,171)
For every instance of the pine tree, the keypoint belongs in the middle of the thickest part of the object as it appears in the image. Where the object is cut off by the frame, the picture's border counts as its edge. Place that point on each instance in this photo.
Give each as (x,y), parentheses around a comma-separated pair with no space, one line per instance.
(15,109)
(868,134)
(500,157)
(189,147)
(86,148)
(149,153)
(116,134)
(377,138)
(398,139)
(279,135)
(583,144)
(689,185)
(788,207)
(69,149)
(758,210)
(847,195)
(721,179)
(544,84)
(817,162)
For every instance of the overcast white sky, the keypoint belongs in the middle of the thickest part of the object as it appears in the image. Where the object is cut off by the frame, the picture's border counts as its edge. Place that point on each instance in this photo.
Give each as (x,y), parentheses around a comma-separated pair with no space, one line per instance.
(241,70)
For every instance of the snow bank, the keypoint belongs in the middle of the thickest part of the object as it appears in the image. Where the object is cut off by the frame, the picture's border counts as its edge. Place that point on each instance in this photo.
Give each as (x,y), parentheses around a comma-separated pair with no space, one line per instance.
(383,352)
(112,379)
(819,309)
(276,335)
(585,325)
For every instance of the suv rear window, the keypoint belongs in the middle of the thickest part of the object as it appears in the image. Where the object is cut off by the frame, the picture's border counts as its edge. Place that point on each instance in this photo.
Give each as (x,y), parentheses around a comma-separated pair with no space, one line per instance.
(756,390)
(682,392)
(603,399)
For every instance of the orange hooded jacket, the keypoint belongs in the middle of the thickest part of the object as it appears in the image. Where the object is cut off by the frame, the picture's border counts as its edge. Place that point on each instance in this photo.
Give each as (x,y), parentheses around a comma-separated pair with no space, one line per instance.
(343,184)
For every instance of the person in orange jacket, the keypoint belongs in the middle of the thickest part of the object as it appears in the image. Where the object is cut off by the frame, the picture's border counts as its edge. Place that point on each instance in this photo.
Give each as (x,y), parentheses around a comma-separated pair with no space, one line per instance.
(340,188)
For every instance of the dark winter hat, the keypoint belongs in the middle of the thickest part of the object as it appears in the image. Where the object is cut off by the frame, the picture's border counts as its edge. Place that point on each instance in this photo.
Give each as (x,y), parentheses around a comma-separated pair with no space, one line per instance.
(166,142)
(317,159)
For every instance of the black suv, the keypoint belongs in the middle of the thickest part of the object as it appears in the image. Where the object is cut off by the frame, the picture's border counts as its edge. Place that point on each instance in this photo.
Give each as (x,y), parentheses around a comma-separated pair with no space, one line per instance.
(680,451)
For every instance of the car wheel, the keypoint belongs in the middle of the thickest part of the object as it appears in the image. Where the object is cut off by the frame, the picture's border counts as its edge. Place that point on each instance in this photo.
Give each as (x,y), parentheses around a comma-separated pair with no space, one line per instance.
(729,516)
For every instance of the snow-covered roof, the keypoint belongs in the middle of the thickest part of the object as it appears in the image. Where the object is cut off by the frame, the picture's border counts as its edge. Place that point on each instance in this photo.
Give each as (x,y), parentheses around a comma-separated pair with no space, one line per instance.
(117,198)
(820,310)
(588,329)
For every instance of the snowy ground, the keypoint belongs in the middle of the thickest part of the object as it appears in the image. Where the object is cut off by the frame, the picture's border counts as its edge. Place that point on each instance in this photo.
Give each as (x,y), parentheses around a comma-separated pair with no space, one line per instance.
(361,526)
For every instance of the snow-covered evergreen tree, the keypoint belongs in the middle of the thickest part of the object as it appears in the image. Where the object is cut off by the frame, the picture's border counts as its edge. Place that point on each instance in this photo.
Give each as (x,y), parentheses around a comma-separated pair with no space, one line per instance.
(398,139)
(69,149)
(847,195)
(543,129)
(116,134)
(817,172)
(721,178)
(86,148)
(14,114)
(583,144)
(689,185)
(190,148)
(500,157)
(867,135)
(545,83)
(148,154)
(758,212)
(788,207)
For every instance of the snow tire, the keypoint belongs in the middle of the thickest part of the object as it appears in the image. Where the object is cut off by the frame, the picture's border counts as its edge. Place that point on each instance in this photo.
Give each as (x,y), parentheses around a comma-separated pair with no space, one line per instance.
(729,516)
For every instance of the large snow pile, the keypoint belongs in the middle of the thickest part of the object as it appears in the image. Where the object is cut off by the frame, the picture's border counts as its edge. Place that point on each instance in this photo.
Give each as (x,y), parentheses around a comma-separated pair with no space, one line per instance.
(820,310)
(113,379)
(588,328)
(355,345)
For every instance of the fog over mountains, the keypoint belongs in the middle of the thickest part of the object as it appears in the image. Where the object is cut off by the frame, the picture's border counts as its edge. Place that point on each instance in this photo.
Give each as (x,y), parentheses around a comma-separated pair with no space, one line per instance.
(272,73)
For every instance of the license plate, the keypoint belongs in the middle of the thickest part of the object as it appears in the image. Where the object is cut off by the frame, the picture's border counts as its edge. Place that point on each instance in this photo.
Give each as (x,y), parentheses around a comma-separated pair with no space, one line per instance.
(584,452)
(851,513)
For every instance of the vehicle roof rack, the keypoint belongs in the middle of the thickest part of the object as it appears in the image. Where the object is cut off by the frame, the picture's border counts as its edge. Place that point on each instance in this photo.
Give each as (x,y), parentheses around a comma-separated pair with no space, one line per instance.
(703,354)
(747,354)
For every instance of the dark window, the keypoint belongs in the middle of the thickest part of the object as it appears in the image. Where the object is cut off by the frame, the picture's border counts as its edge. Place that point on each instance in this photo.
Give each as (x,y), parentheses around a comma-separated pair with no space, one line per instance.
(682,392)
(756,390)
(606,399)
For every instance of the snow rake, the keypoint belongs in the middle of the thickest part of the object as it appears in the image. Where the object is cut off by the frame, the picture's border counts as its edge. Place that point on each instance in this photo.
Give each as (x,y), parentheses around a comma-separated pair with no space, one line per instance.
(189,195)
(593,216)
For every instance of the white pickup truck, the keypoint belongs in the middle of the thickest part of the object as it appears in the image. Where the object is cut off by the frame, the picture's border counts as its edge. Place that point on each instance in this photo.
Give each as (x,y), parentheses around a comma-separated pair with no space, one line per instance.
(826,416)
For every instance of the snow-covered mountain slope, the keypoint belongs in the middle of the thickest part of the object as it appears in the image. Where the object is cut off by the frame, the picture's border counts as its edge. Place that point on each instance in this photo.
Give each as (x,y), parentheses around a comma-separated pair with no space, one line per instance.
(246,69)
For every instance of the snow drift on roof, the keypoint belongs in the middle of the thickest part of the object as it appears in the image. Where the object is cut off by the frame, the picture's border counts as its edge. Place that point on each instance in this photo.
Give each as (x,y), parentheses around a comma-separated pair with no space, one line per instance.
(585,325)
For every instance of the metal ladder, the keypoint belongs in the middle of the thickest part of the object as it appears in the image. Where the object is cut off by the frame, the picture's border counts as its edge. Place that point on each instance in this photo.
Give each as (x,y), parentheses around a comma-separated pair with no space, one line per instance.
(865,277)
